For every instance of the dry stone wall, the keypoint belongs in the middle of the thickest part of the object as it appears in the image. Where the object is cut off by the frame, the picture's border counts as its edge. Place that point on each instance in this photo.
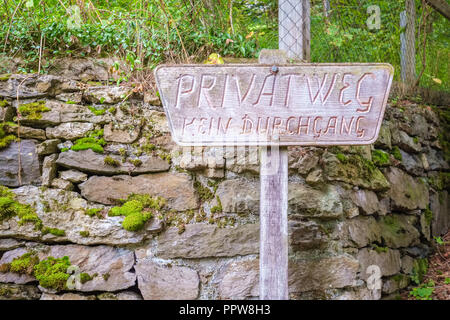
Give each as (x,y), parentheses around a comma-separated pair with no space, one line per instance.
(84,147)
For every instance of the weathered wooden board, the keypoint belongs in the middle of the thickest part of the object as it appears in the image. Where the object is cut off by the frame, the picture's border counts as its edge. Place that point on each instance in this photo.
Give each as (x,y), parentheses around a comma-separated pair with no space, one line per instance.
(274,247)
(305,104)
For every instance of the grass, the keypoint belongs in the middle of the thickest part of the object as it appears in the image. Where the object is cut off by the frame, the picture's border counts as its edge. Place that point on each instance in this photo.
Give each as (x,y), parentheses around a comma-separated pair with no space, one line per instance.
(147,33)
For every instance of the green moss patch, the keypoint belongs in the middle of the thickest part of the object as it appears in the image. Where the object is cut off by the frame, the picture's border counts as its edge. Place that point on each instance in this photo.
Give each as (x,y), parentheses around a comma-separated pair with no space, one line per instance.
(97,112)
(52,273)
(354,169)
(5,76)
(341,157)
(23,264)
(109,161)
(441,181)
(33,110)
(9,207)
(380,158)
(420,269)
(396,153)
(84,234)
(85,277)
(217,208)
(380,249)
(137,210)
(203,192)
(97,212)
(4,103)
(54,231)
(135,162)
(93,141)
(5,139)
(428,216)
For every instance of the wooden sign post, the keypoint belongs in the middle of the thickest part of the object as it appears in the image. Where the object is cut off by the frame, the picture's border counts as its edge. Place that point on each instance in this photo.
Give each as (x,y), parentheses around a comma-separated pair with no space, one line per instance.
(275,105)
(273,213)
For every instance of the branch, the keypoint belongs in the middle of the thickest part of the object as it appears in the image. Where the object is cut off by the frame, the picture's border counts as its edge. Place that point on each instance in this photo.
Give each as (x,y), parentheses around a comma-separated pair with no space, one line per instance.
(441,6)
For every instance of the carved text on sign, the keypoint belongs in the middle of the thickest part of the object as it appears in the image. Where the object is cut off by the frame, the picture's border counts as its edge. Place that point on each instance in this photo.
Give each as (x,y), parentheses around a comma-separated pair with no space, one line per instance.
(308,104)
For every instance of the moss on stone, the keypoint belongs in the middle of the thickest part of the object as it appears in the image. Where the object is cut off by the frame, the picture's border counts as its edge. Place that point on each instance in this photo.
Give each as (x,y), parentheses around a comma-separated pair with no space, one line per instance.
(380,158)
(5,76)
(148,201)
(106,276)
(123,152)
(396,153)
(354,169)
(52,273)
(9,208)
(5,139)
(112,110)
(341,157)
(93,141)
(134,221)
(428,216)
(94,212)
(444,135)
(4,103)
(135,162)
(203,192)
(137,209)
(85,277)
(217,208)
(419,270)
(392,224)
(127,208)
(23,264)
(54,231)
(84,234)
(380,249)
(97,112)
(94,83)
(398,278)
(109,161)
(165,156)
(33,110)
(441,181)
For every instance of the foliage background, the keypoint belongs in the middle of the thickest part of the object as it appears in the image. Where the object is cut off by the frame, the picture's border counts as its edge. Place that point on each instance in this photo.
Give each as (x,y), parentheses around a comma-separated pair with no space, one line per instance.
(149,32)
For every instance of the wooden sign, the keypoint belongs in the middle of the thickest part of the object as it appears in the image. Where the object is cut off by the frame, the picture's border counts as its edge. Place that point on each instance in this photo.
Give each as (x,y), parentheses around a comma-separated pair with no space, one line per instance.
(305,104)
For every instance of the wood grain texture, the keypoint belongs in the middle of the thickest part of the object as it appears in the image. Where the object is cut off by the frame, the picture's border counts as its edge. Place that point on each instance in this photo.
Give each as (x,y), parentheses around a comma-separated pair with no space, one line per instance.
(274,224)
(273,252)
(304,104)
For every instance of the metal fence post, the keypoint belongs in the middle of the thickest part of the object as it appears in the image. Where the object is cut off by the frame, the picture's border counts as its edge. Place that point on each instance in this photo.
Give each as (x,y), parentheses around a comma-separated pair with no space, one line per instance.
(294,28)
